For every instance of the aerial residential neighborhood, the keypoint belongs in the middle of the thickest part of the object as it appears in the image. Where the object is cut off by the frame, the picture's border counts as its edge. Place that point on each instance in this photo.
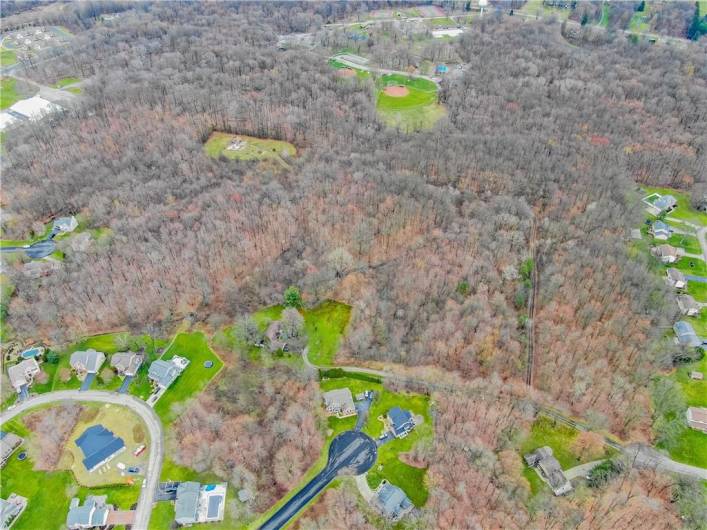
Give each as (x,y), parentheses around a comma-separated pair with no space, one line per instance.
(391,265)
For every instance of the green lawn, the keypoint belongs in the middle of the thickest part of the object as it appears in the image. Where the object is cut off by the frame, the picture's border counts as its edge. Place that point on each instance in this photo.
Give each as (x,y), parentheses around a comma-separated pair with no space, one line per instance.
(324,324)
(195,377)
(8,92)
(559,438)
(605,10)
(697,290)
(7,57)
(66,81)
(640,21)
(692,266)
(444,22)
(49,493)
(74,89)
(695,392)
(691,448)
(253,148)
(689,243)
(684,210)
(417,110)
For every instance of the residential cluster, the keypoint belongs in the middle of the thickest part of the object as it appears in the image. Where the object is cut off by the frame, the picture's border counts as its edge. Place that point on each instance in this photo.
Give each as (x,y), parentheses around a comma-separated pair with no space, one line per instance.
(661,206)
(389,499)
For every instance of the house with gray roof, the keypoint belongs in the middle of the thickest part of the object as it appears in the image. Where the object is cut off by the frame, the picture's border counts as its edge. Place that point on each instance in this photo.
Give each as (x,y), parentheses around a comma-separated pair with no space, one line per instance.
(688,306)
(666,203)
(392,501)
(163,373)
(94,512)
(65,224)
(660,230)
(400,422)
(549,470)
(186,505)
(11,509)
(676,278)
(9,442)
(87,362)
(22,374)
(199,504)
(126,363)
(685,334)
(339,402)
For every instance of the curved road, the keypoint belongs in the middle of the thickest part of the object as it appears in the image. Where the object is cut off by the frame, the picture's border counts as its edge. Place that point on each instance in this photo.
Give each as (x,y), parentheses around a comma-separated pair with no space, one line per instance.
(139,407)
(350,453)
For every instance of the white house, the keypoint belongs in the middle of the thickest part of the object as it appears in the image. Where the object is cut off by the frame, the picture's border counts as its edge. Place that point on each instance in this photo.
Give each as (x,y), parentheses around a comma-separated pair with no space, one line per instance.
(35,108)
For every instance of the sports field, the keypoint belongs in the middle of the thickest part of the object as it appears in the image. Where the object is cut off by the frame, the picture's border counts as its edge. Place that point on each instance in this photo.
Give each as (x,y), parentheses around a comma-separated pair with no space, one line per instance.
(409,103)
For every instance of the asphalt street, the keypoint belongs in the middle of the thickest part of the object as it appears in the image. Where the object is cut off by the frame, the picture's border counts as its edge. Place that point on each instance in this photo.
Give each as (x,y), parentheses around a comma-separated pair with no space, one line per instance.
(153,423)
(350,453)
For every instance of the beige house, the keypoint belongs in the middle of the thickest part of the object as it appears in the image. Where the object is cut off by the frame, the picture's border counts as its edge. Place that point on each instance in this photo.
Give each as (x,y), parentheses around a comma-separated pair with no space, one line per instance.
(667,253)
(676,279)
(87,362)
(126,363)
(22,374)
(688,306)
(339,403)
(697,418)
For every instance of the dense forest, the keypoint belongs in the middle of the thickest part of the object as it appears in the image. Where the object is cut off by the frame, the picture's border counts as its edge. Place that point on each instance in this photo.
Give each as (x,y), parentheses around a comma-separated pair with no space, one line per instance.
(427,235)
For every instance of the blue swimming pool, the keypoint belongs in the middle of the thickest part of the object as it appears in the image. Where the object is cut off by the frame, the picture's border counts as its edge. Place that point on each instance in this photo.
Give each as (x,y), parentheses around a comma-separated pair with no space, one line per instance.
(31,353)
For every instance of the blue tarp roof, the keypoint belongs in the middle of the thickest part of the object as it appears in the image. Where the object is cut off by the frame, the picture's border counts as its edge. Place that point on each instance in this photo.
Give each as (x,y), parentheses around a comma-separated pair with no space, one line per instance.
(98,443)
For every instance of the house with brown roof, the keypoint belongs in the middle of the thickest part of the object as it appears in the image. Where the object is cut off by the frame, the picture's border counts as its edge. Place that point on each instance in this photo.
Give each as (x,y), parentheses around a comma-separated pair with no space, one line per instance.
(697,418)
(126,363)
(676,279)
(667,253)
(688,306)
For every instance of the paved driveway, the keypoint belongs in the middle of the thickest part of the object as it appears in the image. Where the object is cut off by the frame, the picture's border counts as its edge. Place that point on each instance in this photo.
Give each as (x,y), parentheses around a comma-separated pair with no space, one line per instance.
(154,427)
(126,384)
(87,382)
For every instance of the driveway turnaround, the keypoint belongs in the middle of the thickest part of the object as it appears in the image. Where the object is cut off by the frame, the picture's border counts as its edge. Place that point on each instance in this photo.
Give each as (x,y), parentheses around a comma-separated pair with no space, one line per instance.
(139,407)
(350,453)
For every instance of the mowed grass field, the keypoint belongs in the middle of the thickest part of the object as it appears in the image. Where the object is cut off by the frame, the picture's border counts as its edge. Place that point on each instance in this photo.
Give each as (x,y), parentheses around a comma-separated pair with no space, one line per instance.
(253,148)
(195,377)
(7,57)
(417,110)
(8,92)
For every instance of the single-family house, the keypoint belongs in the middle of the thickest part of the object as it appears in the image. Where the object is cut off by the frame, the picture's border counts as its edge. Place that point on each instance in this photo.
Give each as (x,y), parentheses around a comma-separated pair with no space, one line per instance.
(665,203)
(87,362)
(688,306)
(660,230)
(392,501)
(163,373)
(22,374)
(667,253)
(339,402)
(65,224)
(547,466)
(685,334)
(676,278)
(9,442)
(94,512)
(99,446)
(400,422)
(186,504)
(126,363)
(11,509)
(275,342)
(697,418)
(195,503)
